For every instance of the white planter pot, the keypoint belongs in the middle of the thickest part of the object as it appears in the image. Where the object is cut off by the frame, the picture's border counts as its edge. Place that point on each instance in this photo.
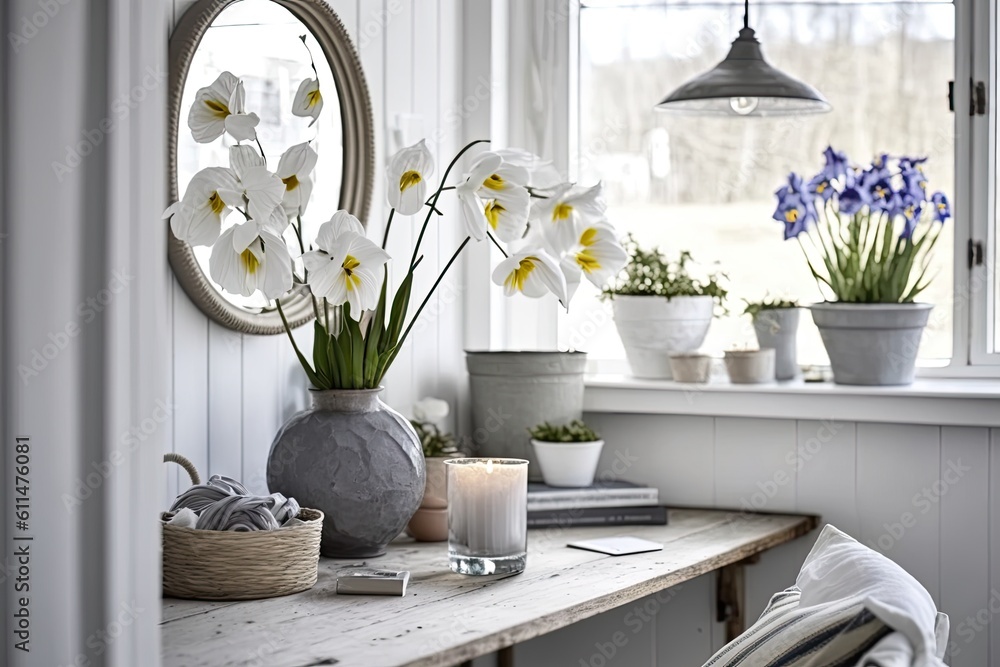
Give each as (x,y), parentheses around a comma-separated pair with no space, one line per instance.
(568,463)
(652,328)
(872,343)
(778,328)
(694,368)
(750,366)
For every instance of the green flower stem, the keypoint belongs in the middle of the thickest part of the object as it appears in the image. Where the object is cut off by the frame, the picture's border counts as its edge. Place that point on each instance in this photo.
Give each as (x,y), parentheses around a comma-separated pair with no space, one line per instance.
(437,282)
(257,139)
(497,244)
(437,194)
(388,226)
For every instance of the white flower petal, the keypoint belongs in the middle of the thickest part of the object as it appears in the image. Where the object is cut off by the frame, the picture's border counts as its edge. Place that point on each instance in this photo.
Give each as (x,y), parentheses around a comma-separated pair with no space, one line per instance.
(225,265)
(407,176)
(208,114)
(308,102)
(241,126)
(243,157)
(263,190)
(243,235)
(299,160)
(473,213)
(277,267)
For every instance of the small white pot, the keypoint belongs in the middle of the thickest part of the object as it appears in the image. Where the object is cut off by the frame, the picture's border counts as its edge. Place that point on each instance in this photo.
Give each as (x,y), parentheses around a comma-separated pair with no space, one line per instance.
(653,327)
(568,463)
(696,368)
(750,366)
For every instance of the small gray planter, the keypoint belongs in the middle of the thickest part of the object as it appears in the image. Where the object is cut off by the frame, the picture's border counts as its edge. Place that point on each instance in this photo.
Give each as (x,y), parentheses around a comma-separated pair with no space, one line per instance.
(358,461)
(872,343)
(514,391)
(778,328)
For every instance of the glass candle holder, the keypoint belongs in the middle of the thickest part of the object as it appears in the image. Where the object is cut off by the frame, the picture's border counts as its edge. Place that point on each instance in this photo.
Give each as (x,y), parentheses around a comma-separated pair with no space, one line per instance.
(487,515)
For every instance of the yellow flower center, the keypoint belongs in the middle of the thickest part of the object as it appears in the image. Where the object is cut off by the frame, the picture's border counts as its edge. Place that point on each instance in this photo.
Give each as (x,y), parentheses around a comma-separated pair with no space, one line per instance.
(349,265)
(792,215)
(409,179)
(942,206)
(216,204)
(820,188)
(291,182)
(587,262)
(313,97)
(249,261)
(909,211)
(519,276)
(494,182)
(219,109)
(493,211)
(881,192)
(589,237)
(562,211)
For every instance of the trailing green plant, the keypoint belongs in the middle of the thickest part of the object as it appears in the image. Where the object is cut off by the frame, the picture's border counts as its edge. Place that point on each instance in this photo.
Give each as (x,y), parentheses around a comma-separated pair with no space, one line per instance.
(575,431)
(433,440)
(651,273)
(753,308)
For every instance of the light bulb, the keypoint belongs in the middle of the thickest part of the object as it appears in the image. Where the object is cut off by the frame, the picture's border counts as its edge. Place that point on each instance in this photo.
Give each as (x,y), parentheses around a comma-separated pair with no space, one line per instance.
(744,106)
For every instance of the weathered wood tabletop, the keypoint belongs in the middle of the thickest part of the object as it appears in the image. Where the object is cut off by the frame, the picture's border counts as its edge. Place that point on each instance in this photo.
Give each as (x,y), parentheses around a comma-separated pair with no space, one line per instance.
(447,618)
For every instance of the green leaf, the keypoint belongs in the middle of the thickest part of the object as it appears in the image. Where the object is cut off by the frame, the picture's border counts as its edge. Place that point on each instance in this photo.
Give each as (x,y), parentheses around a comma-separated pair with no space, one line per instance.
(320,357)
(346,346)
(357,351)
(375,329)
(398,312)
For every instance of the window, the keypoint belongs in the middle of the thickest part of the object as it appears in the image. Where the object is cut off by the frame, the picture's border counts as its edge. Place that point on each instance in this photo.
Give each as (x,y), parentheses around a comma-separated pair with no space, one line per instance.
(706,185)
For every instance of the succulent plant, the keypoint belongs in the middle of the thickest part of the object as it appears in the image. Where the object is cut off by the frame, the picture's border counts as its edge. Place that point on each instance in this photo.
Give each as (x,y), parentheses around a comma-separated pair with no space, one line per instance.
(575,431)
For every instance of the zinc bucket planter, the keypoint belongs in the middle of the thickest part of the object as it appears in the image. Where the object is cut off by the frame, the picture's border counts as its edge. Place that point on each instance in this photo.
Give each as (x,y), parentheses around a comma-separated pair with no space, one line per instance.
(872,344)
(653,328)
(514,391)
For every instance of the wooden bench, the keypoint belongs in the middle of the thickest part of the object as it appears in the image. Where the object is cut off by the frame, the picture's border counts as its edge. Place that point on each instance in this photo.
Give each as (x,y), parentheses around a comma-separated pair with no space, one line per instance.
(447,619)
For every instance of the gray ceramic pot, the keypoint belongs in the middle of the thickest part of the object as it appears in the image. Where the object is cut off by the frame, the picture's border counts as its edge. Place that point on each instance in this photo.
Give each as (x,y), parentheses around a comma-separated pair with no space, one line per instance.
(358,461)
(514,391)
(777,328)
(872,343)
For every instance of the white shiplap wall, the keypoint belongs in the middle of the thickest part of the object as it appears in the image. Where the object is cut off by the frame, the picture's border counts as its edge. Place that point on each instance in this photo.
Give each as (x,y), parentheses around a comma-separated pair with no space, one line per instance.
(231,392)
(888,485)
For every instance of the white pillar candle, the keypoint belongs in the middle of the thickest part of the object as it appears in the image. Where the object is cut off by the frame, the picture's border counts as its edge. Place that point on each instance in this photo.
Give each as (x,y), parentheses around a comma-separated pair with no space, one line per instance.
(487,515)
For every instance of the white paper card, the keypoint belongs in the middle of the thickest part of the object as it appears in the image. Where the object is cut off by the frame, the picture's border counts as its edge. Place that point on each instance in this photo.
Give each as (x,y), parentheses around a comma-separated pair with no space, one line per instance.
(617,546)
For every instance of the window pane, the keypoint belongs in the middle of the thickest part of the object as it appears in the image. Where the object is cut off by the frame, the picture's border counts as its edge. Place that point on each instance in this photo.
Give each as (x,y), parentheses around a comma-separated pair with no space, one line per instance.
(706,185)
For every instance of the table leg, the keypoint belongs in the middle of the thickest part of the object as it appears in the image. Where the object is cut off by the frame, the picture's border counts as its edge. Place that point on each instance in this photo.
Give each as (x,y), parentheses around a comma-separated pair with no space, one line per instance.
(505,658)
(731,597)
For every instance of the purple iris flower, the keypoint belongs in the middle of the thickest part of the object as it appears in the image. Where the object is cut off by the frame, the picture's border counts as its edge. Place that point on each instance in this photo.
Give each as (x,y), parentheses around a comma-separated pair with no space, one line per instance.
(911,216)
(882,197)
(821,186)
(796,208)
(851,200)
(836,164)
(914,181)
(942,208)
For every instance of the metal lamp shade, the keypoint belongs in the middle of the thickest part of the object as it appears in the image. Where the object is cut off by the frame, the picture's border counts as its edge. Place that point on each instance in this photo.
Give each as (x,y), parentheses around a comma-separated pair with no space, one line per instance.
(743,85)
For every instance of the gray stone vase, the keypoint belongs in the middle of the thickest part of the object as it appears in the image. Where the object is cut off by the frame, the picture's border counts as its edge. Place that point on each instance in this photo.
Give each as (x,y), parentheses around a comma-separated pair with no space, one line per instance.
(872,343)
(355,459)
(514,391)
(778,328)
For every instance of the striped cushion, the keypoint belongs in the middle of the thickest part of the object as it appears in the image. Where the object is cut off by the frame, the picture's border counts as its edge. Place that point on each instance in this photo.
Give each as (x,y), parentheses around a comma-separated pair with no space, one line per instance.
(835,634)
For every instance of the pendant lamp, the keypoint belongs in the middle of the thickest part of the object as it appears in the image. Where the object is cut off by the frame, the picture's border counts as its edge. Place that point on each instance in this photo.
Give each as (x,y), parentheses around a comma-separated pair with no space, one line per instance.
(745,85)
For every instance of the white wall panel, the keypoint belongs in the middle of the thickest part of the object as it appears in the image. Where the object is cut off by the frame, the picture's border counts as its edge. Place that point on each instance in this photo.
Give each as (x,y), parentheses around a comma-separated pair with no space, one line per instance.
(898,468)
(754,464)
(965,551)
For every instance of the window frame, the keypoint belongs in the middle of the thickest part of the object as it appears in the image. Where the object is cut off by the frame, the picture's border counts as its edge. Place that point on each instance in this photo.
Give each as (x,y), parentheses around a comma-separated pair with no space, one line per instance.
(973,200)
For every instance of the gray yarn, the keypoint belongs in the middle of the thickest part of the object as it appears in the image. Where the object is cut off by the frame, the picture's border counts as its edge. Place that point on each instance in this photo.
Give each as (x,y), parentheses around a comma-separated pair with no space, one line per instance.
(225,504)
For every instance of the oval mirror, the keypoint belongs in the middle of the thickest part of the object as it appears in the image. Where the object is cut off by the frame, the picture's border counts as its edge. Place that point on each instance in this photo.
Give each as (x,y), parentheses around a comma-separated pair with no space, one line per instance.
(272,46)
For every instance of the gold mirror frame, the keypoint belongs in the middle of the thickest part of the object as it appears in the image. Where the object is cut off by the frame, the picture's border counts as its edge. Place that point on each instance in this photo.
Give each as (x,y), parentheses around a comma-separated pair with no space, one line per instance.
(358,144)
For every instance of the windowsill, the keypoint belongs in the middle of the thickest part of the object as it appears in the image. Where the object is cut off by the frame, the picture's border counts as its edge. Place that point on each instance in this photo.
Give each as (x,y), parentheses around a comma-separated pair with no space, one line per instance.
(959,402)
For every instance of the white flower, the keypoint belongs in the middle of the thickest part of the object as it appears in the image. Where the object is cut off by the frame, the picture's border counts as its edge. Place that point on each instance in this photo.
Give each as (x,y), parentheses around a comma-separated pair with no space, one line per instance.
(295,171)
(308,102)
(242,157)
(210,196)
(541,173)
(597,254)
(263,191)
(430,409)
(566,210)
(219,108)
(406,178)
(494,198)
(347,267)
(248,258)
(532,272)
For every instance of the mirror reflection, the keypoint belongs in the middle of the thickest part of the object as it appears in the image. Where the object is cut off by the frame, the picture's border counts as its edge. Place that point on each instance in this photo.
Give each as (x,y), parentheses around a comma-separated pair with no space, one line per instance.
(262,44)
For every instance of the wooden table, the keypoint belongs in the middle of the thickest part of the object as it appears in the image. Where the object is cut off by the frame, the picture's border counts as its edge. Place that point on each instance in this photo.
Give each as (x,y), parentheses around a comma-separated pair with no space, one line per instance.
(447,618)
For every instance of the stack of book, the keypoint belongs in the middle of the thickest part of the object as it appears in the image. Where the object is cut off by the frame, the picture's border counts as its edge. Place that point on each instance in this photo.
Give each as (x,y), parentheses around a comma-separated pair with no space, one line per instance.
(601,504)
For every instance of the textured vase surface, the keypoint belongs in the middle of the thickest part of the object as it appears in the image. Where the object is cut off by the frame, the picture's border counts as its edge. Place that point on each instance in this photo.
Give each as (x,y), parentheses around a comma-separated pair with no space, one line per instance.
(358,461)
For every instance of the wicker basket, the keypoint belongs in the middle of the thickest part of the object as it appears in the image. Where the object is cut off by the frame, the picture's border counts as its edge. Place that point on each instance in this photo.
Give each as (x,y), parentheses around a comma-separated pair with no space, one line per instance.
(227,565)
